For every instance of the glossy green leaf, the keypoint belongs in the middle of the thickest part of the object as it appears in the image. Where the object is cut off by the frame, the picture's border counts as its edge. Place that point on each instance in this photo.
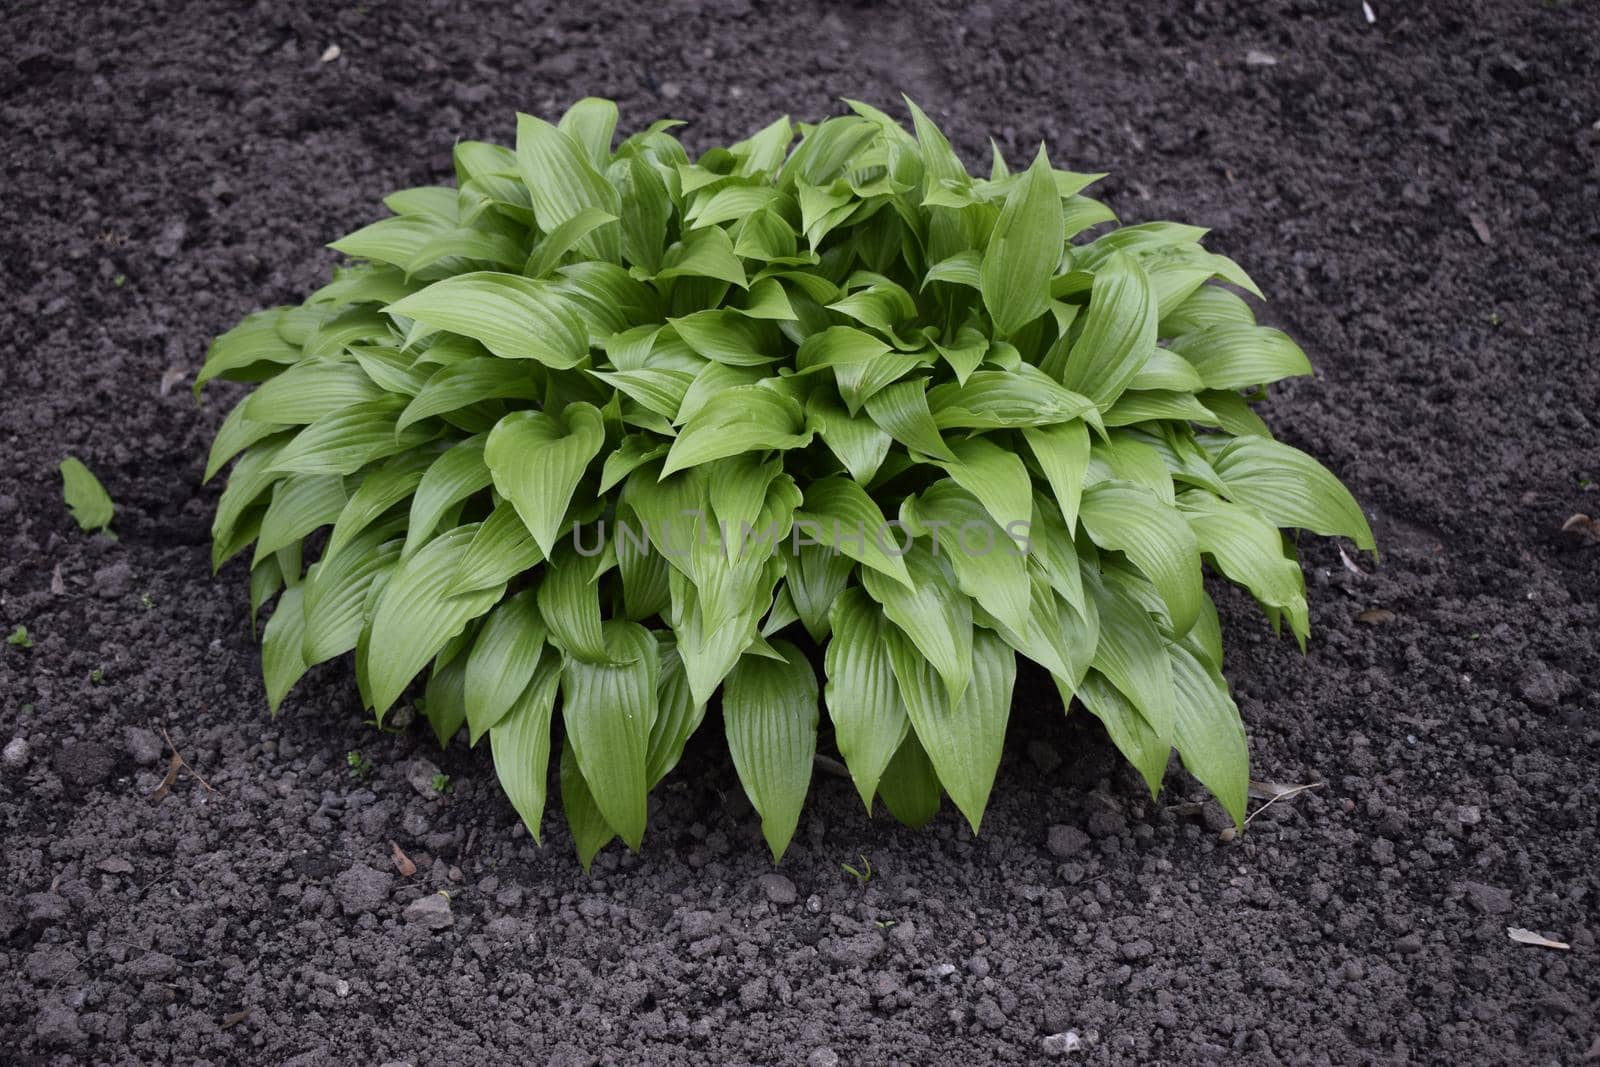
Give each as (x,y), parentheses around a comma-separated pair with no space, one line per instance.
(537,461)
(88,500)
(769,711)
(520,741)
(863,697)
(1023,252)
(608,709)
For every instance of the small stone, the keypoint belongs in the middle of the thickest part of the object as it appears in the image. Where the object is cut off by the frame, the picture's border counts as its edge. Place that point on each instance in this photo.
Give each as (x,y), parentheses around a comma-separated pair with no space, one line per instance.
(1135,950)
(671,90)
(1257,58)
(57,1024)
(143,745)
(822,1057)
(1488,899)
(431,912)
(16,753)
(85,764)
(153,967)
(944,970)
(989,1013)
(341,988)
(778,889)
(420,775)
(1062,1043)
(814,904)
(1276,978)
(753,994)
(1065,841)
(857,950)
(362,889)
(115,865)
(1044,757)
(1469,815)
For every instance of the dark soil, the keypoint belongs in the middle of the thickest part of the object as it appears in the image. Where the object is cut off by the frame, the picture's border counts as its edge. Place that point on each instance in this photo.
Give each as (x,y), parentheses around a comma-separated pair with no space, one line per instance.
(1421,198)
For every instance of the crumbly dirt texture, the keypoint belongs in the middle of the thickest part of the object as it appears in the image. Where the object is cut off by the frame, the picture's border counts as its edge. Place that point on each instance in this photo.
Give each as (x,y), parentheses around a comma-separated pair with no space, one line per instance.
(1420,197)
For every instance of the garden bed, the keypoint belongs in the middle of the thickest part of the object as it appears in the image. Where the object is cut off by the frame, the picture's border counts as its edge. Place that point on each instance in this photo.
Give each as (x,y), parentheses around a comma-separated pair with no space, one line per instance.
(1419,195)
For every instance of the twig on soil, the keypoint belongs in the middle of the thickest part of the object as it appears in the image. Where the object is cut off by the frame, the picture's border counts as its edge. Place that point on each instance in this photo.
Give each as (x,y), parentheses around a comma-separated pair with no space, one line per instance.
(1289,792)
(177,761)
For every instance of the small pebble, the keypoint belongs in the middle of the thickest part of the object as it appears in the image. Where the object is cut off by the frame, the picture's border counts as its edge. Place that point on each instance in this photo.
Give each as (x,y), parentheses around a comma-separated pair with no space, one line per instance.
(17,752)
(1062,1043)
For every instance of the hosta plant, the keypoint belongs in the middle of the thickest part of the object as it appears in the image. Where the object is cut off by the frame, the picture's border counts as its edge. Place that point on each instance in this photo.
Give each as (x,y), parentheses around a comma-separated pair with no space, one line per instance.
(605,435)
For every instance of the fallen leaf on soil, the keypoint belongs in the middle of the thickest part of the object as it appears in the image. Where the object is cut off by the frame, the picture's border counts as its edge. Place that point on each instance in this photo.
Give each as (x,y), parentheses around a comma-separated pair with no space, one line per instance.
(171,777)
(1375,616)
(1479,227)
(1366,9)
(1528,937)
(331,53)
(1271,792)
(58,584)
(1257,58)
(233,1019)
(1349,564)
(1581,527)
(402,862)
(171,377)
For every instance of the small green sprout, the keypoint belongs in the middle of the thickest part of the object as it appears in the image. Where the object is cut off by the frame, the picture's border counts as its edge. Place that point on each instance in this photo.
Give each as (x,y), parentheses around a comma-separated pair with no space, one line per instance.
(360,765)
(862,874)
(20,638)
(147,600)
(1495,319)
(97,676)
(441,784)
(120,280)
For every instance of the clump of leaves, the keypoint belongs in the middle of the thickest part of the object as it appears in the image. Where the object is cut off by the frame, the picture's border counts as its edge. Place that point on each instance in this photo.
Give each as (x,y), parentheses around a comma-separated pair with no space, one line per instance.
(88,500)
(819,386)
(20,638)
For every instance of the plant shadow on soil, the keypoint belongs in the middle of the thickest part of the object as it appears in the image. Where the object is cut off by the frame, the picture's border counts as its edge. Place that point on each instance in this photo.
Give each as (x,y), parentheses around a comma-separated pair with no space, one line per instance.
(168,175)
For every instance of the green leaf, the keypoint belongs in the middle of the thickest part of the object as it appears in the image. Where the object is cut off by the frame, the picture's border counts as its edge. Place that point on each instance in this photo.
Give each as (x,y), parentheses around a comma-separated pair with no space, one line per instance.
(283,662)
(591,123)
(770,713)
(608,709)
(1249,550)
(1240,356)
(839,514)
(996,477)
(502,661)
(345,441)
(91,505)
(704,253)
(678,714)
(569,603)
(1062,453)
(909,787)
(859,443)
(537,462)
(994,399)
(1023,252)
(933,613)
(901,410)
(816,577)
(747,418)
(563,239)
(338,591)
(1288,488)
(300,504)
(500,550)
(415,616)
(1119,332)
(590,832)
(511,316)
(457,474)
(863,697)
(963,737)
(468,382)
(728,336)
(520,741)
(990,567)
(1208,732)
(379,491)
(250,351)
(1127,518)
(1130,731)
(563,181)
(309,391)
(1132,657)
